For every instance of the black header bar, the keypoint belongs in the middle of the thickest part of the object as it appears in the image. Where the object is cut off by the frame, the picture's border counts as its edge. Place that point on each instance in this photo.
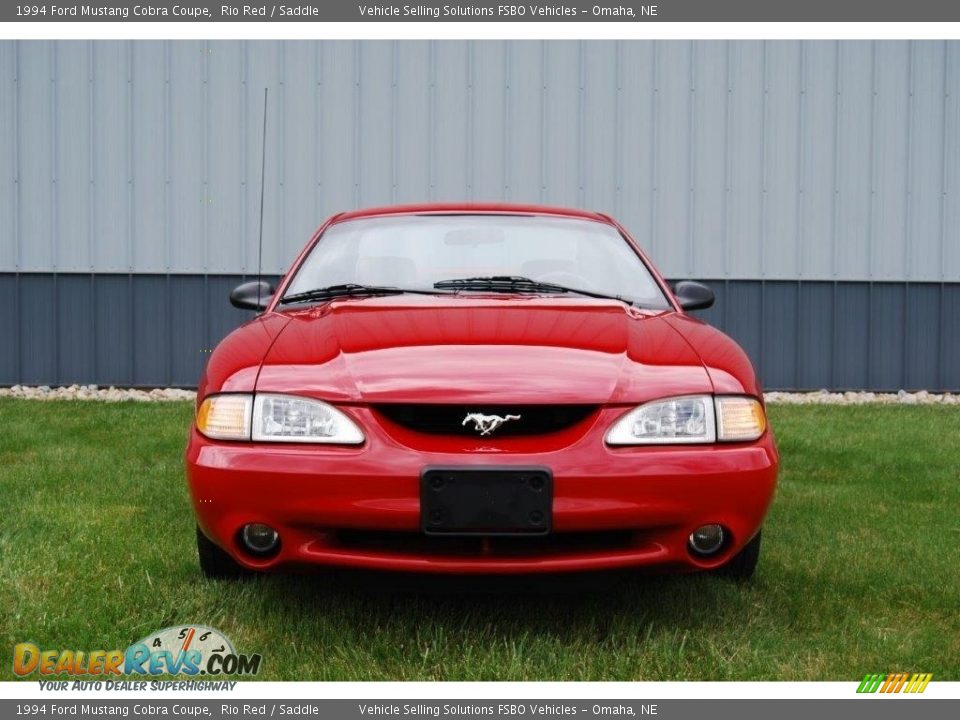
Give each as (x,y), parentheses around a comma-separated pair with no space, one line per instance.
(482,11)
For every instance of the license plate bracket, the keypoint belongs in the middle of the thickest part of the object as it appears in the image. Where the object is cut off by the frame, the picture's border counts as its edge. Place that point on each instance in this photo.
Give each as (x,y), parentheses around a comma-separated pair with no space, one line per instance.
(508,501)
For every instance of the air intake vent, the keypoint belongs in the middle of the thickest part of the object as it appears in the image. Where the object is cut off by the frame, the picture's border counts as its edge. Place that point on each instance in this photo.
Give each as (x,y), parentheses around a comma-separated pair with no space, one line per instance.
(498,420)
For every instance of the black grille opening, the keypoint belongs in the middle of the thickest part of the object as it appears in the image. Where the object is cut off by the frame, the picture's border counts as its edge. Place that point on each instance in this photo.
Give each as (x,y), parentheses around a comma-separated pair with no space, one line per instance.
(452,419)
(498,546)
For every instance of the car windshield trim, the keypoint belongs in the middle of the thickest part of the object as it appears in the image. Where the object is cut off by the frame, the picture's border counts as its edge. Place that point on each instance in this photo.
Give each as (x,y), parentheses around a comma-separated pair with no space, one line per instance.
(519,284)
(352,290)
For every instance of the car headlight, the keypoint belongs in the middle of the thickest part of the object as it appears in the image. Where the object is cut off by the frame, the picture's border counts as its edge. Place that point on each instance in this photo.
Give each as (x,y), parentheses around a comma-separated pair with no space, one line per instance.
(286,418)
(676,420)
(690,419)
(275,418)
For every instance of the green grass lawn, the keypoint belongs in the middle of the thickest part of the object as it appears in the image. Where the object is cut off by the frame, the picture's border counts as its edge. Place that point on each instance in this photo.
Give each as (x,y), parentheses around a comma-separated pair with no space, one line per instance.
(859,571)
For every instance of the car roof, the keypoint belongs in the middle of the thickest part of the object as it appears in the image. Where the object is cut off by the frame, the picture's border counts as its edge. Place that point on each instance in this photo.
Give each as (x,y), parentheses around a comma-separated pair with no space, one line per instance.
(472,208)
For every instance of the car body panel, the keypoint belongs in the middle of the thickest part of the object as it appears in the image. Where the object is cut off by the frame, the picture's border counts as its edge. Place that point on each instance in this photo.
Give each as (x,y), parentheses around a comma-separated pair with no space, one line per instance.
(412,348)
(632,506)
(658,493)
(235,363)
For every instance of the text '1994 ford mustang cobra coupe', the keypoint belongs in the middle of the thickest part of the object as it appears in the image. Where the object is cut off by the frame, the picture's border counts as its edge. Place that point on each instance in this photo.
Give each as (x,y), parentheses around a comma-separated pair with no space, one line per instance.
(478,389)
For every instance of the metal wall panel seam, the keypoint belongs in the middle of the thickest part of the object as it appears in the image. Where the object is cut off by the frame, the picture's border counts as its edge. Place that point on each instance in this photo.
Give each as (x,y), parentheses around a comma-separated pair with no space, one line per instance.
(724,314)
(17,308)
(872,163)
(282,154)
(869,369)
(727,164)
(943,155)
(801,182)
(507,109)
(655,145)
(131,329)
(91,158)
(207,334)
(131,140)
(469,176)
(357,114)
(394,124)
(908,209)
(432,121)
(543,120)
(205,122)
(692,157)
(764,109)
(941,347)
(837,107)
(168,328)
(167,151)
(797,318)
(618,125)
(801,160)
(94,350)
(944,189)
(581,130)
(243,192)
(17,241)
(54,210)
(908,175)
(905,308)
(833,335)
(54,150)
(318,120)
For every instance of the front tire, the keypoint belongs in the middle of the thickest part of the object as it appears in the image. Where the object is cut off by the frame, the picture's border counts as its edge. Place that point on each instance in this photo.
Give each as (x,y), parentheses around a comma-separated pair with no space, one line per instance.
(215,563)
(742,565)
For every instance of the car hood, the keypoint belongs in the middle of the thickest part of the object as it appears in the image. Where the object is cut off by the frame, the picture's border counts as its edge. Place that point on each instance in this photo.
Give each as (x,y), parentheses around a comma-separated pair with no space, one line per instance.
(470,349)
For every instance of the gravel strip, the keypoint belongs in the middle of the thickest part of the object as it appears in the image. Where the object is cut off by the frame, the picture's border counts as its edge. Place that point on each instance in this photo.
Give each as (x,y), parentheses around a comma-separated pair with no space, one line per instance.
(822,397)
(92,392)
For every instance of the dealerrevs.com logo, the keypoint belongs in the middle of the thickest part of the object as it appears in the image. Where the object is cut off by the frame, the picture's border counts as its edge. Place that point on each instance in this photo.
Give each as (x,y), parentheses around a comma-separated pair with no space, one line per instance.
(180,650)
(894,683)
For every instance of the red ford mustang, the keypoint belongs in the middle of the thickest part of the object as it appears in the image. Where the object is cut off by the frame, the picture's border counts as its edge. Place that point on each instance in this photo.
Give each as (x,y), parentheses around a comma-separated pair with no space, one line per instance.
(478,389)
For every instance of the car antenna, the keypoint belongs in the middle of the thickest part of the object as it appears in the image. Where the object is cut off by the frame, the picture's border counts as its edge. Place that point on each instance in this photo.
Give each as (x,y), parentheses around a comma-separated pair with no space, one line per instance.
(263,167)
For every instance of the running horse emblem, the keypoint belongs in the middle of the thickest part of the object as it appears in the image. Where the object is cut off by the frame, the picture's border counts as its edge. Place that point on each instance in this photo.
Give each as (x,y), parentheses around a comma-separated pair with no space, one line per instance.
(486,424)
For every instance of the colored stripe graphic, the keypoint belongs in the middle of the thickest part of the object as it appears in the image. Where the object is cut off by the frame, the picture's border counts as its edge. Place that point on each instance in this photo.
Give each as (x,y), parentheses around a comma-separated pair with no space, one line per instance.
(871,682)
(923,679)
(894,683)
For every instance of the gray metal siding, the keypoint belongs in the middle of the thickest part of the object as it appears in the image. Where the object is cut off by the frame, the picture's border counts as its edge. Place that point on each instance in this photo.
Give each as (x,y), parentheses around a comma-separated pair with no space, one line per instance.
(158,330)
(740,160)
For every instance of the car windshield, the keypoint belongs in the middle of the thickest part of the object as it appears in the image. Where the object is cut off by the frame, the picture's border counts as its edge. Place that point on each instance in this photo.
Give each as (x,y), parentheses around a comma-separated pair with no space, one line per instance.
(416,251)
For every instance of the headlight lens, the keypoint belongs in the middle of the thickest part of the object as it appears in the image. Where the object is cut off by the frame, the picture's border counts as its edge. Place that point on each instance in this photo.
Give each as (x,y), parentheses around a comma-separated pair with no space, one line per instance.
(286,418)
(275,418)
(676,420)
(740,419)
(691,419)
(225,417)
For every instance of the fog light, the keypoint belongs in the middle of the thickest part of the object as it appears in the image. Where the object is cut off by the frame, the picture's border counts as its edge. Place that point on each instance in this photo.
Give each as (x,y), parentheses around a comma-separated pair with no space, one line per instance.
(707,539)
(260,538)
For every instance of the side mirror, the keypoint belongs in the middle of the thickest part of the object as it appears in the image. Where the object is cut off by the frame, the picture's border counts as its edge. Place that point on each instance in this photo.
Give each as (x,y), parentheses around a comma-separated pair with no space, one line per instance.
(693,295)
(253,295)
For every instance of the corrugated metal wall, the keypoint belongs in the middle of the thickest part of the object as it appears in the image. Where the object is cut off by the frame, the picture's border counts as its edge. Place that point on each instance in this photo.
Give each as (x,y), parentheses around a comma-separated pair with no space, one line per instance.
(815,184)
(155,330)
(772,160)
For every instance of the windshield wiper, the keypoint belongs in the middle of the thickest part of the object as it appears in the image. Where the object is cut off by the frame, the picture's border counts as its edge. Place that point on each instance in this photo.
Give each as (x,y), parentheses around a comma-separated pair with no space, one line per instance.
(518,283)
(350,290)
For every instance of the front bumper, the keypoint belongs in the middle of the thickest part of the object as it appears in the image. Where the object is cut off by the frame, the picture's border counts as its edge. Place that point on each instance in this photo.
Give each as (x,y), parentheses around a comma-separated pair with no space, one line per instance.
(359,506)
